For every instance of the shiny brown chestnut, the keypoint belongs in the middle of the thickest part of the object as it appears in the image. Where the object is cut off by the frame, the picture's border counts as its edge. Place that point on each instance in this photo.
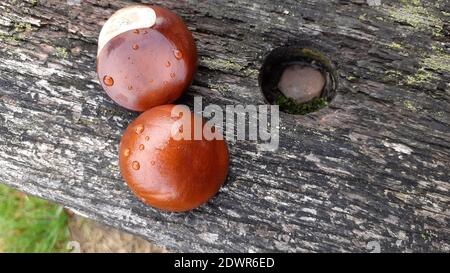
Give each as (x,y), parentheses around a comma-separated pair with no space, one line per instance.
(146,57)
(168,171)
(301,83)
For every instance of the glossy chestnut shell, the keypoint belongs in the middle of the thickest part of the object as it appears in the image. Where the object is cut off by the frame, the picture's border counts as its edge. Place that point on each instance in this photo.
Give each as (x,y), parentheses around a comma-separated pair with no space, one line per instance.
(146,57)
(169,174)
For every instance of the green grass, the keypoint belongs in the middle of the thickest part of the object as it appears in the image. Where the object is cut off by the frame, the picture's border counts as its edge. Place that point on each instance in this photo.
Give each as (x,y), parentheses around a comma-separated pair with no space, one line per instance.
(31,225)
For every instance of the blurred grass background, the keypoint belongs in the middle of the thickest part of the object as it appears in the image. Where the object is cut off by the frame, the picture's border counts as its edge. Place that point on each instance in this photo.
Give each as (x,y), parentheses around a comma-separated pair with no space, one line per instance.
(32,225)
(29,224)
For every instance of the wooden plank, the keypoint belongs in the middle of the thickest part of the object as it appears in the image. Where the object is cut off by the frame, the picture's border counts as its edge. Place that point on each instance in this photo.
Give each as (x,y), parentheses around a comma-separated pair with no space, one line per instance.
(371,169)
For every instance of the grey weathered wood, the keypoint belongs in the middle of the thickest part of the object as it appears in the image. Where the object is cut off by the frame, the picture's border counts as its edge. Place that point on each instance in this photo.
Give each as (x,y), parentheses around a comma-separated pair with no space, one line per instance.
(372,167)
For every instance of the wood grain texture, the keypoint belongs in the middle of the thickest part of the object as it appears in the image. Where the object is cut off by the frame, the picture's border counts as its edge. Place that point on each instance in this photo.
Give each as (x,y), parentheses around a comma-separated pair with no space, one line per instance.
(372,167)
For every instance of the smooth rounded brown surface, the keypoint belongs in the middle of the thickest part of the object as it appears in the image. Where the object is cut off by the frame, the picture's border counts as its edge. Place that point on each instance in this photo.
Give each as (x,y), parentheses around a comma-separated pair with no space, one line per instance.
(301,83)
(149,66)
(169,173)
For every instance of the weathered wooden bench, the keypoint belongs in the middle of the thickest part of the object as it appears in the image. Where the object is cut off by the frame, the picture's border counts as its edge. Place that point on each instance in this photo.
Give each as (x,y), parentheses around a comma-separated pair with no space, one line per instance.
(370,172)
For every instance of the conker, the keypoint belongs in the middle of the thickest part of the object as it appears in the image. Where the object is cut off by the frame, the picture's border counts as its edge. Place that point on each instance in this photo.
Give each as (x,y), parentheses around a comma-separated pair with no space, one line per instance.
(169,173)
(146,57)
(301,83)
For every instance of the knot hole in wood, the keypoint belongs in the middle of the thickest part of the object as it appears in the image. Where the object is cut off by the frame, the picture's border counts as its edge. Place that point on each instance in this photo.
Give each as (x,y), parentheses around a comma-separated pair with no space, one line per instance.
(300,79)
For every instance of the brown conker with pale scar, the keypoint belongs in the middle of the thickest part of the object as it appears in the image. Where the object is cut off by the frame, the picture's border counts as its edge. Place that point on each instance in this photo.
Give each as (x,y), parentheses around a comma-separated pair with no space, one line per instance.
(146,57)
(169,173)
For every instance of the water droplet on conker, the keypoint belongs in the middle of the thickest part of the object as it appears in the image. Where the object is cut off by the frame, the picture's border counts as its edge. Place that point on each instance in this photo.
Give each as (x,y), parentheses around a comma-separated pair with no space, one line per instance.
(108,81)
(178,54)
(139,129)
(136,166)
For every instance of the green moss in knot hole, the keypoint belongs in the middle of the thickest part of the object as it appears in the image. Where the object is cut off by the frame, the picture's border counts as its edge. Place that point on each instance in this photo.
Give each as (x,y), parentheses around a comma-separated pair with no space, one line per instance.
(290,106)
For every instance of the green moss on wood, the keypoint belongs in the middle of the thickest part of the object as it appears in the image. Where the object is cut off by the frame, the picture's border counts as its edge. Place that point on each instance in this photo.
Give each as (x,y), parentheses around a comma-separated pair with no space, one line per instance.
(290,106)
(251,73)
(410,106)
(22,27)
(220,87)
(363,17)
(422,76)
(429,68)
(440,114)
(316,56)
(392,76)
(395,45)
(429,235)
(8,39)
(439,62)
(61,52)
(221,64)
(417,16)
(351,78)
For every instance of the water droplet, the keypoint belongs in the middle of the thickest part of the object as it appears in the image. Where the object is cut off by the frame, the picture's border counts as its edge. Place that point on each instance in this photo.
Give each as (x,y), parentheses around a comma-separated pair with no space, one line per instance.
(108,81)
(139,129)
(135,46)
(173,75)
(130,87)
(147,138)
(126,153)
(178,54)
(136,166)
(136,31)
(141,147)
(168,64)
(152,162)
